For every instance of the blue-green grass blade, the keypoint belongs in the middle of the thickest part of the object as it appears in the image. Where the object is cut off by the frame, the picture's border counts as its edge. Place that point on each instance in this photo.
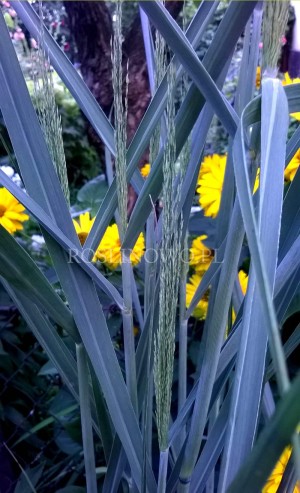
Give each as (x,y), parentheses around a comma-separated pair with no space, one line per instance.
(214,61)
(289,347)
(290,226)
(251,361)
(271,443)
(88,314)
(206,280)
(68,74)
(18,268)
(43,186)
(287,301)
(75,254)
(212,449)
(28,141)
(146,128)
(178,42)
(86,419)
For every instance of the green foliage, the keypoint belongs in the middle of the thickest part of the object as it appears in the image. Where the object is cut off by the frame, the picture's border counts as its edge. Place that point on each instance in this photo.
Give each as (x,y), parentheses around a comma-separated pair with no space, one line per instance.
(91,195)
(36,411)
(81,157)
(231,426)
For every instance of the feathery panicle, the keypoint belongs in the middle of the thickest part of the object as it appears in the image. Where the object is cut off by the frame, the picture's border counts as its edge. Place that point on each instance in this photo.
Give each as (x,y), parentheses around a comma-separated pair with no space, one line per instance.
(169,277)
(48,112)
(274,25)
(120,118)
(160,69)
(122,192)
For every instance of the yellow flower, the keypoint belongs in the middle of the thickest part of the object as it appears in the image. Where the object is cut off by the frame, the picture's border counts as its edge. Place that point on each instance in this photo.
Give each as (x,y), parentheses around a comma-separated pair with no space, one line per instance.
(145,170)
(200,255)
(11,212)
(275,477)
(292,167)
(201,308)
(258,78)
(109,250)
(84,226)
(286,82)
(210,181)
(243,278)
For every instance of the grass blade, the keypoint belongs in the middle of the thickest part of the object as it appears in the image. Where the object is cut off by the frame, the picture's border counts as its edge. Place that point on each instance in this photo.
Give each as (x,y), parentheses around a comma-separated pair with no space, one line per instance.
(254,341)
(74,253)
(214,61)
(270,444)
(34,160)
(21,271)
(68,74)
(86,422)
(177,41)
(146,128)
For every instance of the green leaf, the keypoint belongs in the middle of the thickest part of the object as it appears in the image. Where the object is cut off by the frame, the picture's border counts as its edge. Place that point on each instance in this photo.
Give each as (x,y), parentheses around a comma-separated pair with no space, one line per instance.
(46,422)
(29,479)
(91,195)
(48,369)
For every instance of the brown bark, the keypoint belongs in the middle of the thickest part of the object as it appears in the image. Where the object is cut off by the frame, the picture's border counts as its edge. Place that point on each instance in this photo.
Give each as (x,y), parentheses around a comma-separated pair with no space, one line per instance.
(91,27)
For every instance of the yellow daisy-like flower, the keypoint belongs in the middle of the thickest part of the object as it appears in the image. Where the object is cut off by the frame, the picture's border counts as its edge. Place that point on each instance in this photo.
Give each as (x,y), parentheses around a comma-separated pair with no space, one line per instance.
(292,167)
(191,286)
(210,183)
(286,82)
(275,477)
(84,226)
(243,278)
(11,212)
(109,250)
(145,170)
(200,256)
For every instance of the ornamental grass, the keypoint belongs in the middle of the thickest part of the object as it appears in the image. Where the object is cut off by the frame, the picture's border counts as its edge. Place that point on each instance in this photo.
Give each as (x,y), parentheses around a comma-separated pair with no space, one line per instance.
(196,394)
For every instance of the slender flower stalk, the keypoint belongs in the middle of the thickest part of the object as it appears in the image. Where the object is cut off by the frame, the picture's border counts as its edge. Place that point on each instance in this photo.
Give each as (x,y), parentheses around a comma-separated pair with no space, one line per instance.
(274,25)
(160,69)
(147,419)
(150,264)
(122,192)
(48,112)
(169,282)
(183,322)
